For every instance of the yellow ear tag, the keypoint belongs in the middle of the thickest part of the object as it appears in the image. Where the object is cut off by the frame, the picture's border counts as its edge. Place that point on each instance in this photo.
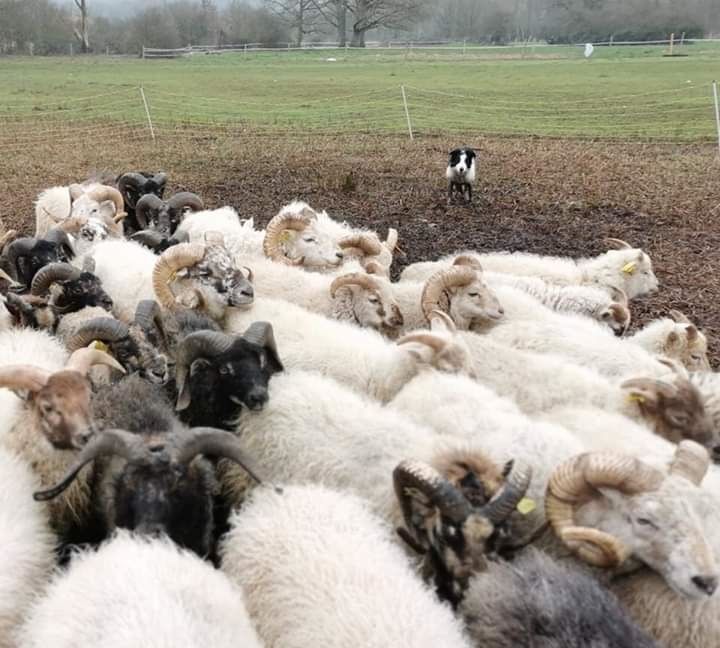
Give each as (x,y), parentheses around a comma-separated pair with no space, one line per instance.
(526,505)
(100,346)
(636,398)
(285,236)
(629,268)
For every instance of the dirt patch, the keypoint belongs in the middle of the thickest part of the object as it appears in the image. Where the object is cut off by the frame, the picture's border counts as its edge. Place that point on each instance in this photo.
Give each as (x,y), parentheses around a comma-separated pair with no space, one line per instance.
(545,196)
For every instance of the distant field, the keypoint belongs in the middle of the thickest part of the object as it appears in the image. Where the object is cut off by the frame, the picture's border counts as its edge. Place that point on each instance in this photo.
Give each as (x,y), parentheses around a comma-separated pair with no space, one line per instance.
(621,92)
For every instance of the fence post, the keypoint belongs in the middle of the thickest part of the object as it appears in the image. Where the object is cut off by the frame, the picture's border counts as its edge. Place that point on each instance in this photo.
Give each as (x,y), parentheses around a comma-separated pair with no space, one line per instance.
(71,49)
(612,38)
(245,49)
(147,112)
(143,51)
(672,43)
(407,112)
(464,45)
(717,112)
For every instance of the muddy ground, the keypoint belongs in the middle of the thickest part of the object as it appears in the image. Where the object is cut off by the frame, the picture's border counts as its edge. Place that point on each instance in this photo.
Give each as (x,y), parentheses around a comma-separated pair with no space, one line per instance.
(538,195)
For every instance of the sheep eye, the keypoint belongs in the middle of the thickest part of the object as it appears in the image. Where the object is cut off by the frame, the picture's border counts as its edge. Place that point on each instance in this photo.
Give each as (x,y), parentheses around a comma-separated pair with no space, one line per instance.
(309,240)
(224,370)
(646,522)
(373,300)
(472,294)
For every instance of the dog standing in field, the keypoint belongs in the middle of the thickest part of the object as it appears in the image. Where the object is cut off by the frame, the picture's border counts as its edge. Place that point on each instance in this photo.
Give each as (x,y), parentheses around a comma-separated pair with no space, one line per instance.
(461,173)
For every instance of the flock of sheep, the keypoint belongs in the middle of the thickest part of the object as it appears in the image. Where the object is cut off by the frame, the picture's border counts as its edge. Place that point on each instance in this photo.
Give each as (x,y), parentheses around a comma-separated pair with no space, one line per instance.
(217,435)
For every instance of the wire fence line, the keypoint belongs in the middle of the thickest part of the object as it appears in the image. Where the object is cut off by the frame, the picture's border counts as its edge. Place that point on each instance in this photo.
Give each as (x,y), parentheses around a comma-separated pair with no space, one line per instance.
(678,114)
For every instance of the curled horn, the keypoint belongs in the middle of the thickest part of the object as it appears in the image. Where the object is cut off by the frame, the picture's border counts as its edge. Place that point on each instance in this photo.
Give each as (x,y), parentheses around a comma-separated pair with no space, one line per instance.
(575,482)
(185,199)
(73,224)
(160,179)
(261,333)
(110,442)
(214,443)
(619,295)
(19,248)
(279,223)
(147,203)
(441,317)
(679,317)
(149,315)
(505,501)
(467,260)
(440,282)
(103,192)
(361,244)
(618,244)
(82,359)
(416,476)
(131,180)
(23,377)
(7,237)
(691,461)
(392,239)
(201,344)
(51,273)
(60,238)
(177,257)
(353,279)
(375,268)
(106,329)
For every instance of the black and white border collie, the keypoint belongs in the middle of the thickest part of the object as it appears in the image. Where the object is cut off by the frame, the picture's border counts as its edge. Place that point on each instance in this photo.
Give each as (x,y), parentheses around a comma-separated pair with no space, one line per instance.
(461,172)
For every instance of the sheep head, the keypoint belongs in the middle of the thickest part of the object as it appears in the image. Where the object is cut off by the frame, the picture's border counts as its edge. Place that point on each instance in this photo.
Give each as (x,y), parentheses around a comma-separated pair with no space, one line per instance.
(60,401)
(625,267)
(674,409)
(127,344)
(207,276)
(98,202)
(293,237)
(608,508)
(26,256)
(441,347)
(686,343)
(70,289)
(163,216)
(162,485)
(219,374)
(452,510)
(461,292)
(366,300)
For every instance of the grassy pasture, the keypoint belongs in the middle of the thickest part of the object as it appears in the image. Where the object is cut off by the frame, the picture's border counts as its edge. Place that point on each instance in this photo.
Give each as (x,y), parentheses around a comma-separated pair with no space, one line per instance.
(621,92)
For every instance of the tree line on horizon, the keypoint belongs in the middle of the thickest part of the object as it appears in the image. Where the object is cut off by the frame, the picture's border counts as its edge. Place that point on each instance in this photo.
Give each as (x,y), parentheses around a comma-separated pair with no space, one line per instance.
(44,27)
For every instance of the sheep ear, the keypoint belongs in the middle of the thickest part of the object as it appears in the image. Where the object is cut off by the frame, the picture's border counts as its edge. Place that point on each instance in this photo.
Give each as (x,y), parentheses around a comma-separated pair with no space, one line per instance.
(692,332)
(419,351)
(673,337)
(198,365)
(642,391)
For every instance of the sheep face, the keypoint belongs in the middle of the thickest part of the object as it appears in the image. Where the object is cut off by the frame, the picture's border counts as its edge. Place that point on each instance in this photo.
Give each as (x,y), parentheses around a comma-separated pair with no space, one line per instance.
(369,306)
(74,294)
(474,302)
(41,254)
(61,410)
(87,208)
(675,410)
(136,354)
(221,386)
(662,530)
(688,345)
(616,317)
(318,250)
(164,219)
(155,494)
(91,232)
(219,283)
(636,271)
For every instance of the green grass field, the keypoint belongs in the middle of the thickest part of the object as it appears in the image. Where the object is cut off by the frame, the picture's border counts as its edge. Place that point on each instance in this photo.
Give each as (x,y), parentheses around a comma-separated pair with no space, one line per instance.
(621,92)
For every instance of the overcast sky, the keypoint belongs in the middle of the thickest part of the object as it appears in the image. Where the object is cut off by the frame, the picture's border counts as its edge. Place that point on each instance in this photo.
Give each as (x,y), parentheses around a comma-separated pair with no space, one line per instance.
(126,7)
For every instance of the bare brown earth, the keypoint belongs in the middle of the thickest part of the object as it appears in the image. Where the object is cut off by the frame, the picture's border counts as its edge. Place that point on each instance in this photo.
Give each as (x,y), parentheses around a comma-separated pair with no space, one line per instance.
(538,195)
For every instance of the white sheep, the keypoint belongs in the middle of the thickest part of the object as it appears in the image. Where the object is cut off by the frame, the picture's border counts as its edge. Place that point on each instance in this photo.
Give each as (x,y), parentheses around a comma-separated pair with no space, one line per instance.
(627,268)
(596,303)
(241,238)
(359,358)
(125,269)
(318,569)
(351,296)
(27,557)
(138,592)
(87,201)
(677,338)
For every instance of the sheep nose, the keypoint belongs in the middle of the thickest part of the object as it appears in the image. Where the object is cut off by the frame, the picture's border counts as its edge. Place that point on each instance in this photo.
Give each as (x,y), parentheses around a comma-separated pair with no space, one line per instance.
(339,255)
(154,529)
(256,398)
(707,584)
(716,454)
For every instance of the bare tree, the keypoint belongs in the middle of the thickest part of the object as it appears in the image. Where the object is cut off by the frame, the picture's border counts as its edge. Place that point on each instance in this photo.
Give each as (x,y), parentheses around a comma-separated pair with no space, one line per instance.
(82,33)
(335,13)
(395,14)
(301,16)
